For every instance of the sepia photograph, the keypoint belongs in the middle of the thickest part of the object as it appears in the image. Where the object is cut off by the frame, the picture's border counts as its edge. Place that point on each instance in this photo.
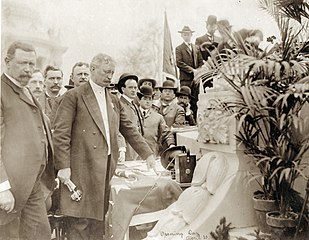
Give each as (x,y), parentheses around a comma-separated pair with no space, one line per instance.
(154,120)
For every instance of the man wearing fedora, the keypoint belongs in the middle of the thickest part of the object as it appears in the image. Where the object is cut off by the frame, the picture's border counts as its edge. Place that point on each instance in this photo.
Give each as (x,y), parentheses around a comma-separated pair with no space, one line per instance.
(173,114)
(188,58)
(156,133)
(209,41)
(127,86)
(184,96)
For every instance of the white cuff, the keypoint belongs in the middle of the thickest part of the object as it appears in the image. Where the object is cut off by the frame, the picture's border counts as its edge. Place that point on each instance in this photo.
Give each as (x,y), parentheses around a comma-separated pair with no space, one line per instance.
(5,186)
(122,149)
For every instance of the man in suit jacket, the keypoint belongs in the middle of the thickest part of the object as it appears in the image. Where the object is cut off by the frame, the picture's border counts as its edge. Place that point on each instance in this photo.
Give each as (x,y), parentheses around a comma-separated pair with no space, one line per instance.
(157,134)
(26,150)
(53,82)
(87,125)
(209,41)
(184,96)
(173,114)
(127,86)
(188,58)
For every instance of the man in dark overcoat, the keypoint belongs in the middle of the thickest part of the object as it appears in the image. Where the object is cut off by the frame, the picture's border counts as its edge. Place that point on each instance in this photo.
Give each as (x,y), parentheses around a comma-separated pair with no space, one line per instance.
(26,151)
(87,125)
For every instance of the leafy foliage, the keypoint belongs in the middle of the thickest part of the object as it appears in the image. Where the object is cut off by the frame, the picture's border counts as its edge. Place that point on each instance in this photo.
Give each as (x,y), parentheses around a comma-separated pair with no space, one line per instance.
(272,88)
(222,230)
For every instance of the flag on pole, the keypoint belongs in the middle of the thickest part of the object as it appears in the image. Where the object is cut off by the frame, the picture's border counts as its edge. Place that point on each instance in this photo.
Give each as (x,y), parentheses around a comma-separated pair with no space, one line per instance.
(169,66)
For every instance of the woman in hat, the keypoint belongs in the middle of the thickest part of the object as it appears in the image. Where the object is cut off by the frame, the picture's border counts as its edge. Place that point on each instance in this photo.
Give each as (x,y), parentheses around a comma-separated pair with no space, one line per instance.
(184,97)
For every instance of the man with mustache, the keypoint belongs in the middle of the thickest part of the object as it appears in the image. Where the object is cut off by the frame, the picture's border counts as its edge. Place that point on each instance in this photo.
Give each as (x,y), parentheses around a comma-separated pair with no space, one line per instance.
(80,75)
(53,82)
(87,124)
(26,151)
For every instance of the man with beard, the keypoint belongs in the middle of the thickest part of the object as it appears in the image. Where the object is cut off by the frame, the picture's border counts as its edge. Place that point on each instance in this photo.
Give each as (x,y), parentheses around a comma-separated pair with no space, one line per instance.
(53,83)
(26,150)
(184,96)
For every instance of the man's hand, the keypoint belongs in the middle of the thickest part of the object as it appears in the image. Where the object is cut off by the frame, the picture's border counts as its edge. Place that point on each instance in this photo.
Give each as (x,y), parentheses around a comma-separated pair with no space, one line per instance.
(7,201)
(122,156)
(64,175)
(151,163)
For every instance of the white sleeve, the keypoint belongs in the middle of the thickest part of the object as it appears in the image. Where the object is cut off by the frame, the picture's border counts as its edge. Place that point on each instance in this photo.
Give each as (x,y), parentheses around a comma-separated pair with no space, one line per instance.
(5,186)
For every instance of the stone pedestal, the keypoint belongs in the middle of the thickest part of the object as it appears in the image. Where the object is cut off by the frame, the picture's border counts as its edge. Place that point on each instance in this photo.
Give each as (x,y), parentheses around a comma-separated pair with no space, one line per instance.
(216,132)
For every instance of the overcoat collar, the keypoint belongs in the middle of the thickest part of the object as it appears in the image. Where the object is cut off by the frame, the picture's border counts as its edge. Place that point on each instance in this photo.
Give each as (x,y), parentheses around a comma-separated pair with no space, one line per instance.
(94,109)
(33,103)
(18,90)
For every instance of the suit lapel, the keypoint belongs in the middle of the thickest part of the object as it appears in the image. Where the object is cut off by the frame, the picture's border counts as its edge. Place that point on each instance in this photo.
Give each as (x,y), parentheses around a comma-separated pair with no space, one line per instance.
(93,108)
(186,48)
(167,110)
(194,55)
(23,97)
(18,90)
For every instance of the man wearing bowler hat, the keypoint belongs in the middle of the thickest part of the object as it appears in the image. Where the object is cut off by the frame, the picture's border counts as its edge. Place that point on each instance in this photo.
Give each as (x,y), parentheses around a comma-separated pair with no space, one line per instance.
(146,82)
(188,58)
(209,41)
(173,114)
(156,133)
(127,86)
(184,96)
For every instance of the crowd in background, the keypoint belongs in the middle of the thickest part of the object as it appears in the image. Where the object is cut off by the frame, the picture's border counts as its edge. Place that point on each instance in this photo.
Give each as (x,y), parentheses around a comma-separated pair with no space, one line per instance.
(81,135)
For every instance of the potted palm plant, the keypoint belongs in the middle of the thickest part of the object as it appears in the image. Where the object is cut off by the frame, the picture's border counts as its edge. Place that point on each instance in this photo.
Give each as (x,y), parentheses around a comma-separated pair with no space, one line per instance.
(272,89)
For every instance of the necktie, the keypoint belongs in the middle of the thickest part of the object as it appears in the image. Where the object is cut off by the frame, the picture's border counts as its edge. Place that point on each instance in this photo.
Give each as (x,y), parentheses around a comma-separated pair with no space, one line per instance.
(190,46)
(165,107)
(139,118)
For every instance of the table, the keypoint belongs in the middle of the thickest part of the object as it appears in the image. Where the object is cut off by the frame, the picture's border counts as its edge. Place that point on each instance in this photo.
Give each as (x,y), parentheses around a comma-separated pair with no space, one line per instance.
(129,197)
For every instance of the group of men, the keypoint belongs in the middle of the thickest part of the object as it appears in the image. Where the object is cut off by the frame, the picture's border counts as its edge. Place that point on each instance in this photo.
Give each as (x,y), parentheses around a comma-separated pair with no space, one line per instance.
(190,57)
(78,136)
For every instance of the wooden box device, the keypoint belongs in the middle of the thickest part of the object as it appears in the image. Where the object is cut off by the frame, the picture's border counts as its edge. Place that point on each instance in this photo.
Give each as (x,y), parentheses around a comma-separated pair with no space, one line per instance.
(184,167)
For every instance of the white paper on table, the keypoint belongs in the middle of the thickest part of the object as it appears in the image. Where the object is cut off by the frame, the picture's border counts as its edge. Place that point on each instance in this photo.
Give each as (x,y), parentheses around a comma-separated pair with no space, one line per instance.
(119,187)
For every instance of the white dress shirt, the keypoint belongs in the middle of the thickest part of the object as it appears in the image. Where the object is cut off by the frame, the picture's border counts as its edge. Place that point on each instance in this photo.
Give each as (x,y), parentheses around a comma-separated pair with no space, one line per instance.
(100,94)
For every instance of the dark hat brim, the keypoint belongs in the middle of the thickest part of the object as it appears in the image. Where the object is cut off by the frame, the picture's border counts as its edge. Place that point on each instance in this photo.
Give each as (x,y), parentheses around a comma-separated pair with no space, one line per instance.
(141,81)
(124,79)
(140,95)
(112,86)
(183,94)
(173,88)
(165,161)
(69,86)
